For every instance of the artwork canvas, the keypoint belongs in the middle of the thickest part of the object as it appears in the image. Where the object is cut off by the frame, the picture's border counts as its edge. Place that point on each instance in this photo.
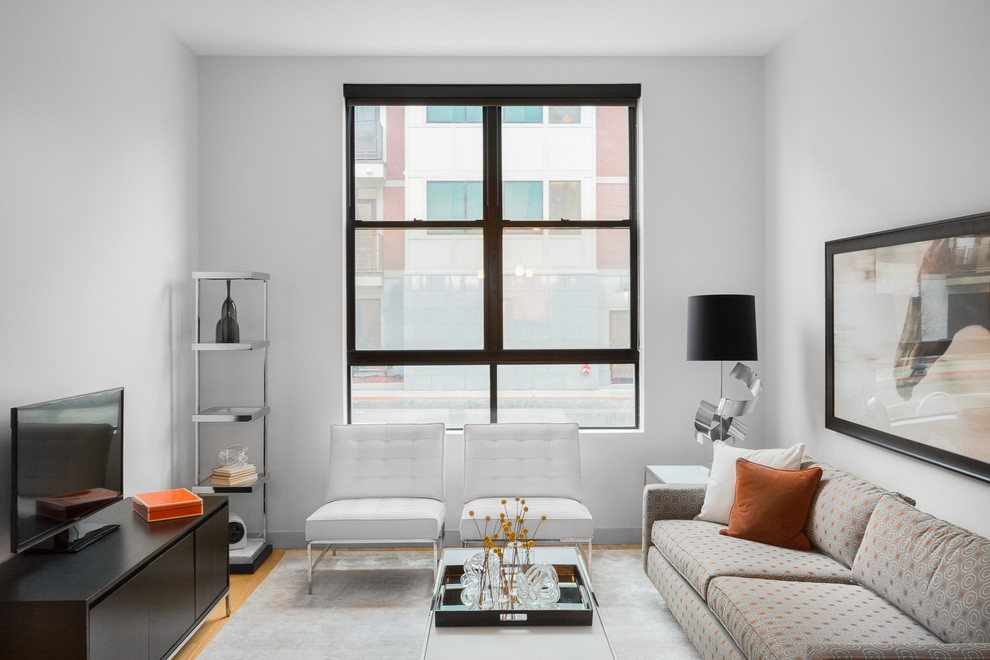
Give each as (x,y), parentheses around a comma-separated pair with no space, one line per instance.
(908,341)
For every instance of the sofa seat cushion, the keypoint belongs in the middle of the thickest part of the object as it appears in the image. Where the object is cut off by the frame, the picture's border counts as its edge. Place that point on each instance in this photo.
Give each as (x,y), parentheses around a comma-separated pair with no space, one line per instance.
(566,518)
(779,619)
(935,571)
(377,519)
(697,550)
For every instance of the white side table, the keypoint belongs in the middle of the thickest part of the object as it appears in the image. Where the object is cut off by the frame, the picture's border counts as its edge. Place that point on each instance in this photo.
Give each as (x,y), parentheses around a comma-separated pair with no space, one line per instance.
(675,474)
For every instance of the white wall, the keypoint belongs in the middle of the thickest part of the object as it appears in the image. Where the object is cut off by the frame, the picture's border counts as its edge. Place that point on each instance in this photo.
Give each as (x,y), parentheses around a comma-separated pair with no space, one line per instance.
(271,184)
(876,119)
(98,215)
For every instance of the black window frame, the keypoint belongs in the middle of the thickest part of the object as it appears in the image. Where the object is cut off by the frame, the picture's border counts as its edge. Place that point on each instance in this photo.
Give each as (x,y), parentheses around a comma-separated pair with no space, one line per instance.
(492,98)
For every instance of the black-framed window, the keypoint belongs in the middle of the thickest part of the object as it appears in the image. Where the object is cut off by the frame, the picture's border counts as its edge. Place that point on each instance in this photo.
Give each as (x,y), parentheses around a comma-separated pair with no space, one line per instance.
(505,245)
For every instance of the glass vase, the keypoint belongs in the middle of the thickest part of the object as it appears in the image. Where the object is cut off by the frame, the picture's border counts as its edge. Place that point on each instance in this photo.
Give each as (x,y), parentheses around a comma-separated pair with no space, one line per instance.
(227,330)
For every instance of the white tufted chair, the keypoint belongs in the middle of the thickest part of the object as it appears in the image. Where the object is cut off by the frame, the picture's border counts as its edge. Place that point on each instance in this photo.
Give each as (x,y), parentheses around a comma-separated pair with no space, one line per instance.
(538,462)
(385,485)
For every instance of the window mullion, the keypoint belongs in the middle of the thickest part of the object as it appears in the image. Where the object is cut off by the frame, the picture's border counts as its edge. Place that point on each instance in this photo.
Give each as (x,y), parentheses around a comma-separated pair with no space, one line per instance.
(633,242)
(492,149)
(492,177)
(349,257)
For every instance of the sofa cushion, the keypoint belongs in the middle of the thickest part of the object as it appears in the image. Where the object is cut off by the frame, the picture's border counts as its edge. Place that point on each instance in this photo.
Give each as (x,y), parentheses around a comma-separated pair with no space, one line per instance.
(377,519)
(840,511)
(566,518)
(779,619)
(721,490)
(934,571)
(690,610)
(772,505)
(940,651)
(700,553)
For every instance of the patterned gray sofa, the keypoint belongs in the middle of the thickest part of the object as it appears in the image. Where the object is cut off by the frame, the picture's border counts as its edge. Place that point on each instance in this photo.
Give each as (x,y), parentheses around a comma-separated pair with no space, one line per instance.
(883,580)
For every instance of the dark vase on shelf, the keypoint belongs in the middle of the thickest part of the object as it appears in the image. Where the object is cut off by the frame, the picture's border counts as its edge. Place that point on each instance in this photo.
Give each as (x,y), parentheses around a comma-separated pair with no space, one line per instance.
(227,330)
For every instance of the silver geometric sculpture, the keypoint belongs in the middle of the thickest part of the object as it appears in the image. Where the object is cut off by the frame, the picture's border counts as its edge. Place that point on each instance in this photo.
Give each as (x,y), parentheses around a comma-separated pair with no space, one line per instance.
(717,422)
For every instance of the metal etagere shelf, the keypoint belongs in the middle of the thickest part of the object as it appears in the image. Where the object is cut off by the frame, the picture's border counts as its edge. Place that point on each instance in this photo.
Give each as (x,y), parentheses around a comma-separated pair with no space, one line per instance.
(258,548)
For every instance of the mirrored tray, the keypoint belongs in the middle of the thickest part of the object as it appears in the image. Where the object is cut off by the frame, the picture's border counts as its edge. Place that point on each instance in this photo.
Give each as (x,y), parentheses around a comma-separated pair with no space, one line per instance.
(573,609)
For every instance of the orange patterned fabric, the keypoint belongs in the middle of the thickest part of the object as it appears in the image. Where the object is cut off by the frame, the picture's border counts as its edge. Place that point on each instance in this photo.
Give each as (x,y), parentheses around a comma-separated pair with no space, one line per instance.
(899,651)
(700,553)
(690,610)
(778,619)
(936,572)
(771,505)
(840,511)
(669,502)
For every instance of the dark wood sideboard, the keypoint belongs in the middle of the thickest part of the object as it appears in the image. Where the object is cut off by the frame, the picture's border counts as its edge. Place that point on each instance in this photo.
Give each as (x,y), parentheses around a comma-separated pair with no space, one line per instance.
(138,593)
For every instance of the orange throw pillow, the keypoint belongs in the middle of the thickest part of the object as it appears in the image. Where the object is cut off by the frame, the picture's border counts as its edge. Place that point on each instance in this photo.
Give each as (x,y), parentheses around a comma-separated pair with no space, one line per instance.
(772,505)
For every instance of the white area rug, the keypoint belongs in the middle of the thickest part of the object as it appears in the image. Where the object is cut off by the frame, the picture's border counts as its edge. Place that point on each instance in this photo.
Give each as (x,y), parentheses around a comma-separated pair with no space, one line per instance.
(375,604)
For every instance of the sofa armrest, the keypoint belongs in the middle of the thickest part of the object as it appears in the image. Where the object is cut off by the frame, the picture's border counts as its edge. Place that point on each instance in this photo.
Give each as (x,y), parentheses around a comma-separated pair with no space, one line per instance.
(899,651)
(669,502)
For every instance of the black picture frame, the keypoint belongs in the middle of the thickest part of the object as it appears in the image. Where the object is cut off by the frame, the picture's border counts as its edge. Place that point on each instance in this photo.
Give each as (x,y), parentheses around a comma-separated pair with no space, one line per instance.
(907,359)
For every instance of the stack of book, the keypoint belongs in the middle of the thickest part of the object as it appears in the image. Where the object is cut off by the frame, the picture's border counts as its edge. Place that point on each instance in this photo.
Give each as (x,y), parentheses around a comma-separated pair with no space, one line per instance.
(237,475)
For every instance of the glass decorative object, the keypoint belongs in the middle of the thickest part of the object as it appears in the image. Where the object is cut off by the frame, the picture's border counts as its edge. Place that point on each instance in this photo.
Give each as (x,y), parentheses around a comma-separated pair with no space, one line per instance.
(228,331)
(484,587)
(538,587)
(233,456)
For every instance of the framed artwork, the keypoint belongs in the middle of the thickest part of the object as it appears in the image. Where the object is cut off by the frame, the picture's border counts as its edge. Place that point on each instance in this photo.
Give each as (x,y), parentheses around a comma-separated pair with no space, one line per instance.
(907,363)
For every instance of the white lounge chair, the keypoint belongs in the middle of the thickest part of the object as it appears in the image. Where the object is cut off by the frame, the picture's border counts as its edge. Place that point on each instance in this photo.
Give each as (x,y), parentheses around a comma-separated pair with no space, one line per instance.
(385,485)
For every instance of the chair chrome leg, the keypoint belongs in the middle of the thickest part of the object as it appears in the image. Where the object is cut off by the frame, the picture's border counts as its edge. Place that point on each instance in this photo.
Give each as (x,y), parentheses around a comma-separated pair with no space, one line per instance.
(589,559)
(312,565)
(309,562)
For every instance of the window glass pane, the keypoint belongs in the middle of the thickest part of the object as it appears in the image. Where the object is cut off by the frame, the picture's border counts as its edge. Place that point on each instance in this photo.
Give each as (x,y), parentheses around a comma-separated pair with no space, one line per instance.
(522,114)
(439,113)
(561,290)
(413,146)
(523,200)
(565,200)
(416,290)
(453,113)
(453,200)
(368,133)
(564,114)
(454,395)
(588,147)
(582,393)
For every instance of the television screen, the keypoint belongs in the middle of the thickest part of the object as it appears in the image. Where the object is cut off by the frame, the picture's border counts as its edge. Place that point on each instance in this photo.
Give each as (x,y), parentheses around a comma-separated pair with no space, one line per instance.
(67,458)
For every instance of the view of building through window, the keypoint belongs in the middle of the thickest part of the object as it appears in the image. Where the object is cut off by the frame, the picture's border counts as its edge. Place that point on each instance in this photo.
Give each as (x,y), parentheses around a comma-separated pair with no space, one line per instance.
(564,308)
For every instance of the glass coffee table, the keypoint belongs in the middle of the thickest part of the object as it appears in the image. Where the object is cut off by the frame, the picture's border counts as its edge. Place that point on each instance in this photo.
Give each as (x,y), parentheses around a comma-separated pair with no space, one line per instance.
(517,637)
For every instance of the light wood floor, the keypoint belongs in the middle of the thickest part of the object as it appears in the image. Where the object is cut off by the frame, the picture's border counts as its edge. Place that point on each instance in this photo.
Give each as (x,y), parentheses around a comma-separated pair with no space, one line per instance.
(241,587)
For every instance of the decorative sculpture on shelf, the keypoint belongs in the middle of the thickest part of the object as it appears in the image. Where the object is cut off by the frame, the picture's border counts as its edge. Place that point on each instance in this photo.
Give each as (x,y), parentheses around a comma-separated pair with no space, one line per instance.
(227,330)
(233,456)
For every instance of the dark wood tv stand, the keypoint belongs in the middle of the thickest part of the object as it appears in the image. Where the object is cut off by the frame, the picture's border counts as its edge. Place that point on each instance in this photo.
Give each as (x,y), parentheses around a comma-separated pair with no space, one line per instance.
(138,593)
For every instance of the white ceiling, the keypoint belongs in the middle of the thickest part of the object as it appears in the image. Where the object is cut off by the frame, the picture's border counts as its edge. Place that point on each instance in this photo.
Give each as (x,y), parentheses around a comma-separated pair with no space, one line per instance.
(473,28)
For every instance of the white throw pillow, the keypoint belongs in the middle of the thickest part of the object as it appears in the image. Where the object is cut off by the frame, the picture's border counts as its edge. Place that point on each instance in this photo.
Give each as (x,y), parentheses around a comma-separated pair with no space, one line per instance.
(721,491)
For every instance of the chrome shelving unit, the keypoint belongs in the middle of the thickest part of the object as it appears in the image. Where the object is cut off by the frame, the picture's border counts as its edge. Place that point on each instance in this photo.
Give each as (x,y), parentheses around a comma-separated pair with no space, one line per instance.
(242,561)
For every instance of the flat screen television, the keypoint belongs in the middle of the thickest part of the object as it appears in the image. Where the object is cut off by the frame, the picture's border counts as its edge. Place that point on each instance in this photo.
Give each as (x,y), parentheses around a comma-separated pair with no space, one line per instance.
(67,464)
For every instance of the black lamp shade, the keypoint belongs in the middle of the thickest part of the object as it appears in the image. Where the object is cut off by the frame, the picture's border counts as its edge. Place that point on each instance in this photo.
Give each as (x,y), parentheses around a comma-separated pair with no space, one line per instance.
(721,327)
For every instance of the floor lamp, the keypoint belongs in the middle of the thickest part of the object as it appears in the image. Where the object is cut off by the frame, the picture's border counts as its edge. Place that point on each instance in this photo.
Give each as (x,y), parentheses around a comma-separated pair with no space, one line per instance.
(723,327)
